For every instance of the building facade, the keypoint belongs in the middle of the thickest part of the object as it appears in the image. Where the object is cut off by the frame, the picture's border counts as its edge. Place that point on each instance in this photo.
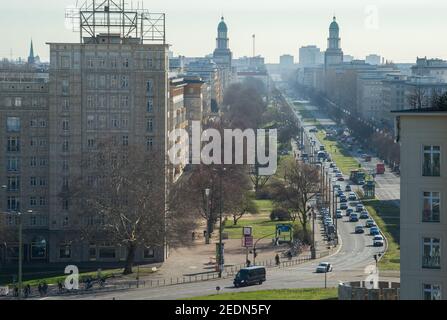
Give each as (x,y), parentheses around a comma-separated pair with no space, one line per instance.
(422,134)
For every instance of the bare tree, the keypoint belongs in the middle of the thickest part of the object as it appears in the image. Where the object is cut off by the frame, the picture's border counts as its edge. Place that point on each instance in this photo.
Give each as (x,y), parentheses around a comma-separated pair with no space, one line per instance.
(227,187)
(121,198)
(243,205)
(418,97)
(300,183)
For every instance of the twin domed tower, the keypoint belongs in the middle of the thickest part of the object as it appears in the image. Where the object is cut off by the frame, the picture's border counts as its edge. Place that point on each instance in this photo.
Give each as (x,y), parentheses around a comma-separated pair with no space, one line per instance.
(222,54)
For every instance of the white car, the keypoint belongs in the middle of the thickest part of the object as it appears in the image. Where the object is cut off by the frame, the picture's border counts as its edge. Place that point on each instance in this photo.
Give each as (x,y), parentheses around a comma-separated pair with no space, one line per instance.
(324,267)
(378,241)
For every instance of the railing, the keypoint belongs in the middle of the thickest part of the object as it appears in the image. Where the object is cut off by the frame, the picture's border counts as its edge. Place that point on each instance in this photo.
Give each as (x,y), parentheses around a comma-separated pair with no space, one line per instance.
(431,262)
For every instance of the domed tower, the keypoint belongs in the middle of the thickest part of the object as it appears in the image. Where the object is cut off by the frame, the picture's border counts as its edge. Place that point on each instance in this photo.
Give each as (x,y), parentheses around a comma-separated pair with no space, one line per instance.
(222,55)
(333,54)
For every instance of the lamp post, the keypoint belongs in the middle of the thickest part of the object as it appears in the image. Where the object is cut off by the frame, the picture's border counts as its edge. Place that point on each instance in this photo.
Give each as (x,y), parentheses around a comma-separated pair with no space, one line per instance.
(20,258)
(207,195)
(221,260)
(312,252)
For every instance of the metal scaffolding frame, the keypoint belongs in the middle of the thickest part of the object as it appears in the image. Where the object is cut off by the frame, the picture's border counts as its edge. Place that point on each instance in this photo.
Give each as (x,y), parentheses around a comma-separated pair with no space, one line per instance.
(115,17)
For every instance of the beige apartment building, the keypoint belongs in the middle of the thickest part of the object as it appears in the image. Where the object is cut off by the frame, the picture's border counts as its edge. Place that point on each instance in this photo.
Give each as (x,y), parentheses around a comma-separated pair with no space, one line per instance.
(422,134)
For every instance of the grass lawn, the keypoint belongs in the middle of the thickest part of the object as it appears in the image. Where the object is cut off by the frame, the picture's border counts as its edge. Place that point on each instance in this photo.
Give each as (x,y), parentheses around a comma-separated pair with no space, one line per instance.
(55,277)
(387,217)
(344,161)
(284,294)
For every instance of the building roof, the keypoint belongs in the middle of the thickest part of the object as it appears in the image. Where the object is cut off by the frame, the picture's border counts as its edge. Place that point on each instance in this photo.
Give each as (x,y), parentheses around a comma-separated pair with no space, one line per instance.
(222,27)
(333,25)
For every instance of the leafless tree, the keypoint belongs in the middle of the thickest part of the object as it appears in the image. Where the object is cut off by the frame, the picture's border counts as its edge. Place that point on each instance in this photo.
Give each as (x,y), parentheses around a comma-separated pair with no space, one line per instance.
(121,197)
(300,184)
(242,206)
(418,97)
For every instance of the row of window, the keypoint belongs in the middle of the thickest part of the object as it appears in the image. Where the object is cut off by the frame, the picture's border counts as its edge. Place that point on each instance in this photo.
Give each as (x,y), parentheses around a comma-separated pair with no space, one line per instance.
(13,163)
(13,124)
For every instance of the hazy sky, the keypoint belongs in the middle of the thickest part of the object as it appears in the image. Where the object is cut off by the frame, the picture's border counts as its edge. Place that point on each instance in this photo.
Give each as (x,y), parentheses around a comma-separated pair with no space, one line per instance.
(399,30)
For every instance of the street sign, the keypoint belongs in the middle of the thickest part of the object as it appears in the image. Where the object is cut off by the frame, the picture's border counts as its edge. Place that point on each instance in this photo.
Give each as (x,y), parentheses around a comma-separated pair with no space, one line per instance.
(247,231)
(247,241)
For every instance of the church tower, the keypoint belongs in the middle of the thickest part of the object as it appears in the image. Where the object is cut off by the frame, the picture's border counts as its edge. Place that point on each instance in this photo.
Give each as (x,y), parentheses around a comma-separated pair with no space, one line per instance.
(222,54)
(333,54)
(31,58)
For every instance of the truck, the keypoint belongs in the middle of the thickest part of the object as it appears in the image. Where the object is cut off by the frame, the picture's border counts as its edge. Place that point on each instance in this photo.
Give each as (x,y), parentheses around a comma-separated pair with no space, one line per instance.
(380,168)
(357,177)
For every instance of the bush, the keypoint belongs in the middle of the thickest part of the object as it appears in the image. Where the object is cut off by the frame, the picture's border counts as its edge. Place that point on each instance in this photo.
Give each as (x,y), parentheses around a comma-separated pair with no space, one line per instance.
(279,214)
(298,233)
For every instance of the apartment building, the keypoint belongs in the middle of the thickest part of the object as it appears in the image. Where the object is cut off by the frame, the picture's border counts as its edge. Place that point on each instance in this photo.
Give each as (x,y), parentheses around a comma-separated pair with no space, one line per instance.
(422,134)
(24,157)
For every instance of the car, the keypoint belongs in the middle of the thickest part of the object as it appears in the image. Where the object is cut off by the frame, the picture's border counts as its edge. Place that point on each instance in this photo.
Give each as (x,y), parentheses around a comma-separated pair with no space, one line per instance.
(374,231)
(340,193)
(359,207)
(378,241)
(370,223)
(349,211)
(359,229)
(313,130)
(343,199)
(324,267)
(361,182)
(343,206)
(364,214)
(337,187)
(322,148)
(338,214)
(348,188)
(352,196)
(353,217)
(249,276)
(327,221)
(335,169)
(340,178)
(332,165)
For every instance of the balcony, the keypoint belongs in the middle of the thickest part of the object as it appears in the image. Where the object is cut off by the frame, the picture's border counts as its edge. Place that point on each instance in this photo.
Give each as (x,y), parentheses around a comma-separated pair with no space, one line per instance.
(431,262)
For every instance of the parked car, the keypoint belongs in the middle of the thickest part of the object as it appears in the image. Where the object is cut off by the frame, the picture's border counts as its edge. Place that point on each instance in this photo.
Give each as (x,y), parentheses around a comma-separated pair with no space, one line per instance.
(340,193)
(378,241)
(374,231)
(348,188)
(370,223)
(337,187)
(344,206)
(249,276)
(349,211)
(324,267)
(353,217)
(359,207)
(314,130)
(364,214)
(359,229)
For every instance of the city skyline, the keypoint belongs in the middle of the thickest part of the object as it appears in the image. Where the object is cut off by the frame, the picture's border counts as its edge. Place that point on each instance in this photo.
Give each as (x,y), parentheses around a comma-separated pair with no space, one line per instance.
(362,27)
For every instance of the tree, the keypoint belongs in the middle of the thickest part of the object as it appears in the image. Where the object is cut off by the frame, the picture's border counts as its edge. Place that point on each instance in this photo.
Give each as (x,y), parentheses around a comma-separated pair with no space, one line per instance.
(417,98)
(121,198)
(227,185)
(243,205)
(440,101)
(301,183)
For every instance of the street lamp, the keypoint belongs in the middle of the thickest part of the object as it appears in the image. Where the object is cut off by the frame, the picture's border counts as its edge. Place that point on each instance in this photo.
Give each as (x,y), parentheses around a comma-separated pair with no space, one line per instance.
(207,194)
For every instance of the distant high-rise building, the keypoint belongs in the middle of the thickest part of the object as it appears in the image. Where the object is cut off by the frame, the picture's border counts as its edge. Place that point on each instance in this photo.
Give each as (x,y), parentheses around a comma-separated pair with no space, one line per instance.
(286,60)
(347,58)
(310,56)
(373,59)
(334,54)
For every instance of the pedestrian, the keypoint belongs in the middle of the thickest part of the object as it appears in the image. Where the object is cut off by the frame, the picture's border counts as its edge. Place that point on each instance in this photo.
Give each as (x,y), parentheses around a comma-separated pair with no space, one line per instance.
(59,285)
(39,288)
(16,291)
(277,261)
(248,263)
(44,288)
(193,236)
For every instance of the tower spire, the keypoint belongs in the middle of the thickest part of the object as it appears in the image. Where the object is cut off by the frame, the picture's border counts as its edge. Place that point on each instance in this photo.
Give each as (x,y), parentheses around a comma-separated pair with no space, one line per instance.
(31,59)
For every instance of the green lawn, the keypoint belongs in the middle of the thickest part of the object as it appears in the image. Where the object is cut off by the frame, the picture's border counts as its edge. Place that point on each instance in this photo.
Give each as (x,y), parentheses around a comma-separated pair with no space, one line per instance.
(55,277)
(284,294)
(387,217)
(344,161)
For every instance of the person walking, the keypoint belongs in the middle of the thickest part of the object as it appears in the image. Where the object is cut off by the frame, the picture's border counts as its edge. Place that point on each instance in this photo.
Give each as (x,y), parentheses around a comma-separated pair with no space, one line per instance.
(277,261)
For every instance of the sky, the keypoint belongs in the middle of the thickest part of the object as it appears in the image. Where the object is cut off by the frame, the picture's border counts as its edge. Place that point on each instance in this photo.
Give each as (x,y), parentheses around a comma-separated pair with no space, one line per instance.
(399,30)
